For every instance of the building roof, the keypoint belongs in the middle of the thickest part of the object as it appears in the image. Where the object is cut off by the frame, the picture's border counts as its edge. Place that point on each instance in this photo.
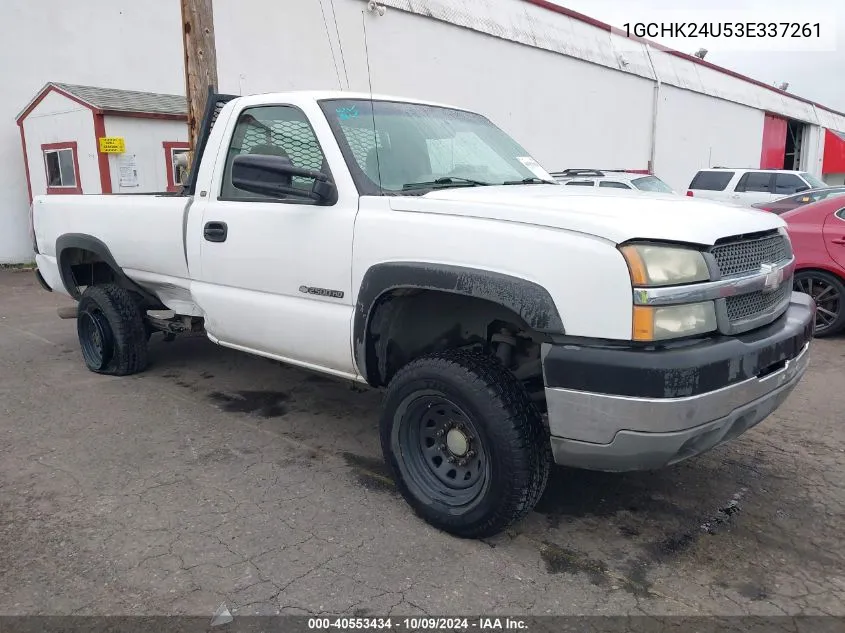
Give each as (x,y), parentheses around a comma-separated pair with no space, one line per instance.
(128,100)
(114,101)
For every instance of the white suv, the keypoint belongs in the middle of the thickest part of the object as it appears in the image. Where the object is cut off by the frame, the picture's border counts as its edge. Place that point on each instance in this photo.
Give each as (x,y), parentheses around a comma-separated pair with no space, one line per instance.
(612,179)
(750,186)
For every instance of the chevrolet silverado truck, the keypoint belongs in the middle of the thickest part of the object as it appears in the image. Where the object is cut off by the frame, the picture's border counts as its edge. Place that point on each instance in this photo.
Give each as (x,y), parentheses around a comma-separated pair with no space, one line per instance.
(512,322)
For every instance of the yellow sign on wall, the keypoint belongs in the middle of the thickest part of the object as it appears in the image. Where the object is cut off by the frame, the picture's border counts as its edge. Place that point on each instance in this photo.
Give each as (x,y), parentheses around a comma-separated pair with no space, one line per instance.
(112,145)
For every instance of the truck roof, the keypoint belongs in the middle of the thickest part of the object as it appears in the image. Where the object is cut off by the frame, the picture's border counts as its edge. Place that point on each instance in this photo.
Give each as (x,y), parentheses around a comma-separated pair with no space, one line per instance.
(322,95)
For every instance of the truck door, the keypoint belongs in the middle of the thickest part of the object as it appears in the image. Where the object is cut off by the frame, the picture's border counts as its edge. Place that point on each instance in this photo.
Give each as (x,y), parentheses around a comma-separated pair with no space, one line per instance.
(274,274)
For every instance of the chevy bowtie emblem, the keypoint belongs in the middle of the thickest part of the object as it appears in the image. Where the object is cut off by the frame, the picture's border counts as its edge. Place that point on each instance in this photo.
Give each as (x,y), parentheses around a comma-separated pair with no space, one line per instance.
(774,277)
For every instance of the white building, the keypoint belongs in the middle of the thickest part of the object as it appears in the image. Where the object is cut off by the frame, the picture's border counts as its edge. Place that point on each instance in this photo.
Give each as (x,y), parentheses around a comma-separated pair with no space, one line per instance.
(572,91)
(83,139)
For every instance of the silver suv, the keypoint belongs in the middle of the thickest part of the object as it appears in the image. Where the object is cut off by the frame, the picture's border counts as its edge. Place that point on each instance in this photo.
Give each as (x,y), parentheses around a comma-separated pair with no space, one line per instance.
(612,179)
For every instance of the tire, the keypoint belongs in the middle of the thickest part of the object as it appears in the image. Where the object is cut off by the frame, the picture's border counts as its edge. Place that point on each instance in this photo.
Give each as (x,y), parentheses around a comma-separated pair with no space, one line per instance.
(829,293)
(111,331)
(476,413)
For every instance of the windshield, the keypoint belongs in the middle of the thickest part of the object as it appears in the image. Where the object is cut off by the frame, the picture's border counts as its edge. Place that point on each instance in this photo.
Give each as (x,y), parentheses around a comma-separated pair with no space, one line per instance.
(812,180)
(415,148)
(652,183)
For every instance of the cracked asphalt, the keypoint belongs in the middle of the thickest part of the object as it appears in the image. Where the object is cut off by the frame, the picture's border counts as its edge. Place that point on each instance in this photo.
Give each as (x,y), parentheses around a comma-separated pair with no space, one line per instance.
(219,477)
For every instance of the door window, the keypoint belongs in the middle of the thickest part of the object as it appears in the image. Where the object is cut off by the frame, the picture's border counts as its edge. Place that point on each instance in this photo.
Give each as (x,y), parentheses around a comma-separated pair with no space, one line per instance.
(755,181)
(613,185)
(786,184)
(580,183)
(282,131)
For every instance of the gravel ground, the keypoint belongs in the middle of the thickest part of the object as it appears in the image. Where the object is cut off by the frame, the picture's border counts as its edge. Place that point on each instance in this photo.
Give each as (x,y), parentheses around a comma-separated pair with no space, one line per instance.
(219,477)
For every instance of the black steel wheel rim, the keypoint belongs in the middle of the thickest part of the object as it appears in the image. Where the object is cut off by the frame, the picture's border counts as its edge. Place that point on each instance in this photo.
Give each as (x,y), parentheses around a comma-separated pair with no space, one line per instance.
(440,451)
(95,337)
(827,297)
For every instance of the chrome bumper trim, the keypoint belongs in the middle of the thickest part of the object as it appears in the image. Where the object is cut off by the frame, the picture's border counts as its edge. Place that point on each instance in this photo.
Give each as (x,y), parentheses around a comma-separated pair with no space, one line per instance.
(597,418)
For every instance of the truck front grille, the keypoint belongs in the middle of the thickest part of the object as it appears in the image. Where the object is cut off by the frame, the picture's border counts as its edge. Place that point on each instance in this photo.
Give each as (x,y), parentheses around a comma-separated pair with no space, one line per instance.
(746,255)
(748,306)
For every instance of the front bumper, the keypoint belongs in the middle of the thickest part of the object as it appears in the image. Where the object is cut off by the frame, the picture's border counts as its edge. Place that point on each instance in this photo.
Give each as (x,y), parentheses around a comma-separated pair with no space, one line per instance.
(621,408)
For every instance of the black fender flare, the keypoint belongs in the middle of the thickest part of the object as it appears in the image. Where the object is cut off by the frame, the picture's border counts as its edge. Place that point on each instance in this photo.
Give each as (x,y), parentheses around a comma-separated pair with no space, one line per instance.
(98,247)
(531,301)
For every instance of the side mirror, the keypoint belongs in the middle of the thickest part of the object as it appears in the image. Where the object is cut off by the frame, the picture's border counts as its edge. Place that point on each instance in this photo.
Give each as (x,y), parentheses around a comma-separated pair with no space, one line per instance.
(271,176)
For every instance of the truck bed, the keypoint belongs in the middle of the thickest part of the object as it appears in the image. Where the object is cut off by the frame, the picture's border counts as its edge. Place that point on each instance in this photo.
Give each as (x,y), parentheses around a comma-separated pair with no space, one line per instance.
(144,234)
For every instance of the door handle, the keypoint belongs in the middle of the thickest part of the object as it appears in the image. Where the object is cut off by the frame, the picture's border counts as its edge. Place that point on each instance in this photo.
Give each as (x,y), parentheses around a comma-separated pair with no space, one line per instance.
(215,231)
(840,241)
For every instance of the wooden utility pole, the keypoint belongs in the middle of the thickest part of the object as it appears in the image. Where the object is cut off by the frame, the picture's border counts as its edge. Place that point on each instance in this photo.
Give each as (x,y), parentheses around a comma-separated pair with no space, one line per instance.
(200,60)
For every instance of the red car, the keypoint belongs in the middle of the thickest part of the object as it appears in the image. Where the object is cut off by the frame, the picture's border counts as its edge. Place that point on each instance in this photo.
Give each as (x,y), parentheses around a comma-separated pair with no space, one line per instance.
(817,231)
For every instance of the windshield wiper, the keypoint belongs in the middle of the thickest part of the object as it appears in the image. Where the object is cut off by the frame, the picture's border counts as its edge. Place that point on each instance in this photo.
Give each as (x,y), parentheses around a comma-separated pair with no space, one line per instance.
(447,180)
(530,181)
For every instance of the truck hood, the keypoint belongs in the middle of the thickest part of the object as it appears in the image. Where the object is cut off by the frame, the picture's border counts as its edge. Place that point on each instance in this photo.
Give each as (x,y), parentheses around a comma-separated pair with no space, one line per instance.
(612,214)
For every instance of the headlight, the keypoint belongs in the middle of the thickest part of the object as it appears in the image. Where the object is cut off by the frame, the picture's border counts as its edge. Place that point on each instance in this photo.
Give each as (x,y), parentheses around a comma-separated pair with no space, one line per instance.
(664,322)
(664,265)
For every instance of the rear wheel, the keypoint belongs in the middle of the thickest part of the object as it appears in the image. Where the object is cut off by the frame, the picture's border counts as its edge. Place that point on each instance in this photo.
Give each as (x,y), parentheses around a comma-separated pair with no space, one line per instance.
(467,447)
(111,331)
(828,291)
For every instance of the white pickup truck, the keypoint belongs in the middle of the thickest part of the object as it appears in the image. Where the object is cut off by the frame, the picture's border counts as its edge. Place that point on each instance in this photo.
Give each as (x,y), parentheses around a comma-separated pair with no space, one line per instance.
(416,247)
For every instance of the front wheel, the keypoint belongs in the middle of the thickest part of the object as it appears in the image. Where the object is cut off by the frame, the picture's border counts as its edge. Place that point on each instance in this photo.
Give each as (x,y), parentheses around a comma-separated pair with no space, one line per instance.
(828,291)
(466,445)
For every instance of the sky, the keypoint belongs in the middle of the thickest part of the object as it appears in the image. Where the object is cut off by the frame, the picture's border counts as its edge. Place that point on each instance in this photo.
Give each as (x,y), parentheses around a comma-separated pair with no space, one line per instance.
(818,75)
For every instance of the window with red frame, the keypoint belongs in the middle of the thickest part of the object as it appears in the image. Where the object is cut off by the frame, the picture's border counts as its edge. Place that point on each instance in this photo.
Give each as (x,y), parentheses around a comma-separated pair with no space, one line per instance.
(175,174)
(61,166)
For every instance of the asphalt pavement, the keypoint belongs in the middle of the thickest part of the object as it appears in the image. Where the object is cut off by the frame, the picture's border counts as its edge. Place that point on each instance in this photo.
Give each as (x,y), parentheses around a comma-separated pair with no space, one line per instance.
(216,477)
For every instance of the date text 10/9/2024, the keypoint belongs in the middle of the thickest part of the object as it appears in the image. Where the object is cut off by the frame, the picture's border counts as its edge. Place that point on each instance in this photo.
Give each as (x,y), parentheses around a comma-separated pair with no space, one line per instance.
(419,623)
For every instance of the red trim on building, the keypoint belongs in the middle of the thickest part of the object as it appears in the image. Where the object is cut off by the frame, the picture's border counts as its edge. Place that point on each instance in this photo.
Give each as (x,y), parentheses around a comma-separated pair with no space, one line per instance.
(71,145)
(773,153)
(102,159)
(25,162)
(834,153)
(168,163)
(147,115)
(545,4)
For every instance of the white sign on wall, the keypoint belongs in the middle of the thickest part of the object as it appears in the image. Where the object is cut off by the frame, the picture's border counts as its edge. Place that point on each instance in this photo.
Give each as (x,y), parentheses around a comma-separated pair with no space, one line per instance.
(128,170)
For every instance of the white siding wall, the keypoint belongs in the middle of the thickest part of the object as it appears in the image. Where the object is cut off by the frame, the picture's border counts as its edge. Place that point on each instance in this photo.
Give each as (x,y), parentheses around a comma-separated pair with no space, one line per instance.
(812,154)
(696,131)
(536,26)
(110,43)
(566,113)
(144,138)
(58,119)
